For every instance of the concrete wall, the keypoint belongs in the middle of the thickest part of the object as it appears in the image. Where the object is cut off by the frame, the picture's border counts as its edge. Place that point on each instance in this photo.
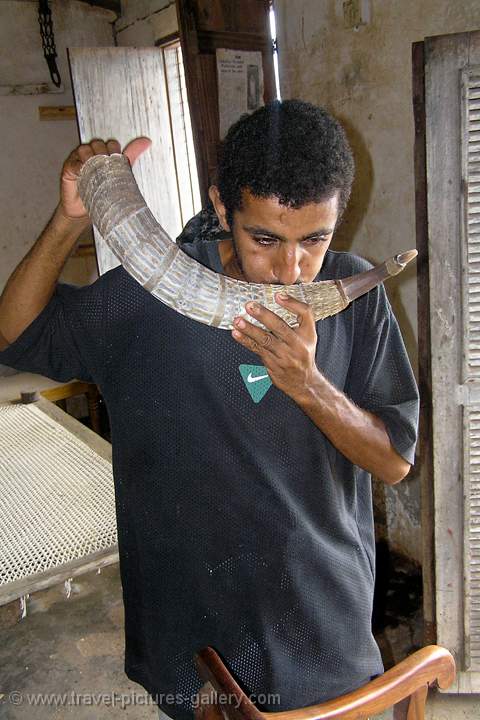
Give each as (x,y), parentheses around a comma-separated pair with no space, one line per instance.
(33,151)
(363,76)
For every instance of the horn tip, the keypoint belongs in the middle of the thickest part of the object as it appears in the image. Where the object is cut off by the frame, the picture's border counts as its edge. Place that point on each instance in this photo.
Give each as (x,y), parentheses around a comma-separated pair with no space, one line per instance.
(406,257)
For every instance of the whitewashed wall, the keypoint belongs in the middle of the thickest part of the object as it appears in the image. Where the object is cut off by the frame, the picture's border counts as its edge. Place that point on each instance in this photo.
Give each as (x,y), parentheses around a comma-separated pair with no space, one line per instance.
(364,77)
(32,151)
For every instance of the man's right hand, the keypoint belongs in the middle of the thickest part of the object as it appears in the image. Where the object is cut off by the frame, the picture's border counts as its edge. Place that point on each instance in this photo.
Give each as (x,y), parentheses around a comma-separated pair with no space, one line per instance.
(32,283)
(71,206)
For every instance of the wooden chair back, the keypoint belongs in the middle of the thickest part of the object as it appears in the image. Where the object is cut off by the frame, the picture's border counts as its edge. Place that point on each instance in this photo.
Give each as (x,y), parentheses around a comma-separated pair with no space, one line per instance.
(403,688)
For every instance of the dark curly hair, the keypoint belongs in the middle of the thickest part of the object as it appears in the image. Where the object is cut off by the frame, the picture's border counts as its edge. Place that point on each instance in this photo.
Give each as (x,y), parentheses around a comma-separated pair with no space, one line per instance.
(291,150)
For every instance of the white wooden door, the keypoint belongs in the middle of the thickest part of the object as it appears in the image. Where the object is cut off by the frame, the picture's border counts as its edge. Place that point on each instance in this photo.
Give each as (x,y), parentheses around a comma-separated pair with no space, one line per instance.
(121,93)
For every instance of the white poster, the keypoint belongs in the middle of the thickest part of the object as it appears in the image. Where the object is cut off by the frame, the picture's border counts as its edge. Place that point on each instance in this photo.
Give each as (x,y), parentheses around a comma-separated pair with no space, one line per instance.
(240,85)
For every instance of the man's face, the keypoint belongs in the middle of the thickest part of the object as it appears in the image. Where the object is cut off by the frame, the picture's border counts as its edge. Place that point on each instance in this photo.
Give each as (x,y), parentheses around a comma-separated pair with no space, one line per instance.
(280,245)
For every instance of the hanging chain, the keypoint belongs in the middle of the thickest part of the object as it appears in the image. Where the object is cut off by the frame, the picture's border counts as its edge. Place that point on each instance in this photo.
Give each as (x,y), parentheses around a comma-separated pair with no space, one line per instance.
(48,41)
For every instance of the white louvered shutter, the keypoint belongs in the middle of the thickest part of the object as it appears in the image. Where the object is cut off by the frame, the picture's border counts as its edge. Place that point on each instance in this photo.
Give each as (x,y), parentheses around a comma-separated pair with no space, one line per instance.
(470,392)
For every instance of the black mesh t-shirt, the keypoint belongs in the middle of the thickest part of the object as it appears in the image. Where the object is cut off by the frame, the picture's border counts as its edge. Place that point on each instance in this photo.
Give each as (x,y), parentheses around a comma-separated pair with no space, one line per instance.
(240,525)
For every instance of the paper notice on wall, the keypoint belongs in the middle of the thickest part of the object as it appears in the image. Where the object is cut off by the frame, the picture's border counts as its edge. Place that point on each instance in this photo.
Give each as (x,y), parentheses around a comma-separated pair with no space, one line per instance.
(240,85)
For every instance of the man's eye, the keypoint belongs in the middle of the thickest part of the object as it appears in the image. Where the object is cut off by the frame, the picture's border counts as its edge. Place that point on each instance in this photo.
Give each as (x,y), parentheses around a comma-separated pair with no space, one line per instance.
(315,240)
(264,240)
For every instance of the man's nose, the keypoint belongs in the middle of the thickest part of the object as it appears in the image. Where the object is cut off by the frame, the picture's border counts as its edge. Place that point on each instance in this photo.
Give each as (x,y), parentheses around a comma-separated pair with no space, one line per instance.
(287,270)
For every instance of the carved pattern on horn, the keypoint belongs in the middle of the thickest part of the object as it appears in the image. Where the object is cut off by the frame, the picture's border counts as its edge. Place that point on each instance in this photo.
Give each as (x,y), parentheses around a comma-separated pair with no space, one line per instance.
(116,207)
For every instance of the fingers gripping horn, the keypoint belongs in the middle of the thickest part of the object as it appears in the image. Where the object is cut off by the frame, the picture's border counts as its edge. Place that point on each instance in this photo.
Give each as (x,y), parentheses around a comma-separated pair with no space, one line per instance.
(116,207)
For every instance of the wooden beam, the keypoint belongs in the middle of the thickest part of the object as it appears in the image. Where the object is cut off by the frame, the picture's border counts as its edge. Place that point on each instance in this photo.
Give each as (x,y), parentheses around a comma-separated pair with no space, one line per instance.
(424,345)
(41,581)
(76,387)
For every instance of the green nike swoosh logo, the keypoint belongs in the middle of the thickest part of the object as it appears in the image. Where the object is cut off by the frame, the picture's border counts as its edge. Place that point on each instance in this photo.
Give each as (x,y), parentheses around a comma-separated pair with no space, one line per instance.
(251,379)
(256,379)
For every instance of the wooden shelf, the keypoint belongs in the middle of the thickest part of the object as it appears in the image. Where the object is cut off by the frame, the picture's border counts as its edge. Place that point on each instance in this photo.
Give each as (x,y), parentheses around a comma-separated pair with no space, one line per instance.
(57,112)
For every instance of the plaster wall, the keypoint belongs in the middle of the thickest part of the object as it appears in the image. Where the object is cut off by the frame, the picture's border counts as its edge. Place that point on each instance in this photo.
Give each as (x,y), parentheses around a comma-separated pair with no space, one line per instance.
(32,150)
(363,76)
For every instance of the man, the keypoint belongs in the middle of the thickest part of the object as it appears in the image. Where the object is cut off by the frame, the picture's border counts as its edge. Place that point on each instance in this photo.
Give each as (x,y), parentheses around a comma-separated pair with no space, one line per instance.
(244,517)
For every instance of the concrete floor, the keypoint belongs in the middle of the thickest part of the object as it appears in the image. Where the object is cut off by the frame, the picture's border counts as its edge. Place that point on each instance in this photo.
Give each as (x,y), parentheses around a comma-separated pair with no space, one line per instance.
(66,646)
(75,645)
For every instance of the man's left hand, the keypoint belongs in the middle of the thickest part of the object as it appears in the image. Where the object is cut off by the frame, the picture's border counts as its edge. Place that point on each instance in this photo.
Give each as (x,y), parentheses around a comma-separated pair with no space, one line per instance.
(287,353)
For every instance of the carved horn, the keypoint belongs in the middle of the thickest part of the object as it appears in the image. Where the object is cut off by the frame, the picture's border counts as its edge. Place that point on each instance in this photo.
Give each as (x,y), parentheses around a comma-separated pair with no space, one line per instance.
(116,207)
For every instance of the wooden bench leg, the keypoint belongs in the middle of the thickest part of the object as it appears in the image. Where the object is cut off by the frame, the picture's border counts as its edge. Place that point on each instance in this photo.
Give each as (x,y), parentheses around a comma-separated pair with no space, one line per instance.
(93,401)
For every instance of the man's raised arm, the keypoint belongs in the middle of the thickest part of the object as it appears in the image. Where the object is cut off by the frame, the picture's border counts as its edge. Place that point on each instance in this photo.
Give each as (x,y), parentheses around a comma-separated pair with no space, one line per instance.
(33,282)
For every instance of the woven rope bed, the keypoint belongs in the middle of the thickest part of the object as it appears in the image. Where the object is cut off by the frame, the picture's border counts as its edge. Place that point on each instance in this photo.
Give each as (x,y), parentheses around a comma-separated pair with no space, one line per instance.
(57,505)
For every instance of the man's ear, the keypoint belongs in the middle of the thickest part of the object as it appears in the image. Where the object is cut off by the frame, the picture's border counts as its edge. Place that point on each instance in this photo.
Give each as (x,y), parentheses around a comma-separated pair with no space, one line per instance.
(220,209)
